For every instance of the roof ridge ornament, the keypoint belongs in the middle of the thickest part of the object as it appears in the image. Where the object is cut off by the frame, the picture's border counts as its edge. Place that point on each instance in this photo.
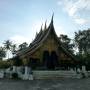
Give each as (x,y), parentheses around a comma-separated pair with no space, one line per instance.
(52,18)
(45,27)
(36,34)
(51,23)
(41,27)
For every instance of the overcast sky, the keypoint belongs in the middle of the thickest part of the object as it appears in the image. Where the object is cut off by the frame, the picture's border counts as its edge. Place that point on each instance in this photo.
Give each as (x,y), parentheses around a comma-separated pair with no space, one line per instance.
(21,19)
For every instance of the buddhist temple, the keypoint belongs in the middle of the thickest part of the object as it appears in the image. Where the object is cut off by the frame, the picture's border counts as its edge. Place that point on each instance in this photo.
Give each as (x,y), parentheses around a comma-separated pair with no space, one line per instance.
(46,51)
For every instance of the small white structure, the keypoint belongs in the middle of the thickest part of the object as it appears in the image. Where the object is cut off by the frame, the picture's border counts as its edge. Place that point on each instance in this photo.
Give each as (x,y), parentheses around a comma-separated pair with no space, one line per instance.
(14,69)
(23,72)
(26,75)
(84,72)
(78,70)
(1,74)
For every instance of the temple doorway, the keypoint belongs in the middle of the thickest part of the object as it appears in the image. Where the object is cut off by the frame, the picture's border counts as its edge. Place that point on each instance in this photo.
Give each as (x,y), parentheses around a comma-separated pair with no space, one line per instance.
(50,60)
(54,59)
(46,58)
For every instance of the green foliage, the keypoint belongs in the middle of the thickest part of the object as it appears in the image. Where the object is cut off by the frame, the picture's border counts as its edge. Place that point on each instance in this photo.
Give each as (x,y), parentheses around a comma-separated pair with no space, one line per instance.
(2,53)
(66,42)
(7,44)
(4,64)
(87,61)
(82,41)
(13,49)
(23,46)
(17,61)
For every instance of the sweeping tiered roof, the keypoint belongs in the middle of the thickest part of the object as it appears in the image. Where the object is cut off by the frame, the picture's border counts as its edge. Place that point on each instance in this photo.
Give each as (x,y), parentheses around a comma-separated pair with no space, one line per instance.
(40,38)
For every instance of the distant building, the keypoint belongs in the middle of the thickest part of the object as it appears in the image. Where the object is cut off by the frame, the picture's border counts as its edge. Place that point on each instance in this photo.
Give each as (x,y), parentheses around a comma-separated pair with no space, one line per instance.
(46,51)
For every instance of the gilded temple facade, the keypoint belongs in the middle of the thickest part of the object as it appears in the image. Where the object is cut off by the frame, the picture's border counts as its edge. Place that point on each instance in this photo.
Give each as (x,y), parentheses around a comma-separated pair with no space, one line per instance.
(46,51)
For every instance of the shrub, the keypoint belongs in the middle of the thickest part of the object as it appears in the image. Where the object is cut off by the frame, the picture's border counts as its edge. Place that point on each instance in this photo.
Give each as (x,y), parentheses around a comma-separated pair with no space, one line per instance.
(4,64)
(14,75)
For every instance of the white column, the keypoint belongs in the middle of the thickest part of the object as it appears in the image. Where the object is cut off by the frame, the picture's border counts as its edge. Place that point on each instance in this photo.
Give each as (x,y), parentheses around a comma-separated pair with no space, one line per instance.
(25,76)
(78,70)
(30,74)
(84,71)
(26,70)
(83,68)
(14,68)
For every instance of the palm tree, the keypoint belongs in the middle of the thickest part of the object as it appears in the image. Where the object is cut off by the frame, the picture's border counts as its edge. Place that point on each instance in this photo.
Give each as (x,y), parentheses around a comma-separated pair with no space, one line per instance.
(2,53)
(7,46)
(13,49)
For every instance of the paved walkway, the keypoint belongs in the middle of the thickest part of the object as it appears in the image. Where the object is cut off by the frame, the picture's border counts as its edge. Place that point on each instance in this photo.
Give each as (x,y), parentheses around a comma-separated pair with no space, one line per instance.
(63,84)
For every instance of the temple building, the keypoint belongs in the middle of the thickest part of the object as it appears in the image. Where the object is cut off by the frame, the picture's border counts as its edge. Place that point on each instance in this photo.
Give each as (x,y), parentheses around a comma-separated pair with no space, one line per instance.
(46,51)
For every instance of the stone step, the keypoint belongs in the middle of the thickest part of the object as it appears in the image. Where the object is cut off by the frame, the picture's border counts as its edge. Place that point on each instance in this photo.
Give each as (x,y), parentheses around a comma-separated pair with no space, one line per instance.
(53,74)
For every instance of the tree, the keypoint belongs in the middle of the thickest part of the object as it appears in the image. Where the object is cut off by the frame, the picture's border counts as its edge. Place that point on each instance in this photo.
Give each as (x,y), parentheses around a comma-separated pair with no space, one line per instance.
(17,61)
(66,42)
(7,46)
(23,46)
(13,49)
(2,53)
(82,41)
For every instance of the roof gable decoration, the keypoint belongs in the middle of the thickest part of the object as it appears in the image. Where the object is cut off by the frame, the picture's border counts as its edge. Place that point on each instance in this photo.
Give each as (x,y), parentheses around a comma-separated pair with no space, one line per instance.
(41,36)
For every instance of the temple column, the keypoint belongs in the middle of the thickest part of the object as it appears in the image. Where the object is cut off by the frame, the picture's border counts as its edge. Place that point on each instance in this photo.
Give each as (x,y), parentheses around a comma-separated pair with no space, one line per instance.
(84,72)
(26,70)
(26,75)
(14,68)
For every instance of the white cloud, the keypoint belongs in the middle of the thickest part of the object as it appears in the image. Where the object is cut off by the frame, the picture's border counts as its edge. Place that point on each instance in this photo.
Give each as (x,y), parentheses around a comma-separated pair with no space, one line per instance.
(29,30)
(59,2)
(1,44)
(74,9)
(81,21)
(18,39)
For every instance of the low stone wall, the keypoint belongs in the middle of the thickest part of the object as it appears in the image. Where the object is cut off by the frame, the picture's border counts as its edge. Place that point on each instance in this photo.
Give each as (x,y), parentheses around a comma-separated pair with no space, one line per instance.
(1,74)
(26,73)
(53,74)
(88,73)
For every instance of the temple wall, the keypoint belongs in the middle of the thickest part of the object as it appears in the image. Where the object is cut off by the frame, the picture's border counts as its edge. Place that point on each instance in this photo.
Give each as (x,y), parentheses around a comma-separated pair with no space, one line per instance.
(50,44)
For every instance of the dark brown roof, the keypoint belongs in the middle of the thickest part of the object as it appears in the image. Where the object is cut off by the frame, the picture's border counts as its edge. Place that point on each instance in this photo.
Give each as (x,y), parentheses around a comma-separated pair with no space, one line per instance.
(41,37)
